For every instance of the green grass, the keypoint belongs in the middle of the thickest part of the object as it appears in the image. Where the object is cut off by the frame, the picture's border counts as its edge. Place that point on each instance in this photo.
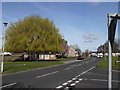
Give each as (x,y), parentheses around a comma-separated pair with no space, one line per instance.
(104,63)
(10,67)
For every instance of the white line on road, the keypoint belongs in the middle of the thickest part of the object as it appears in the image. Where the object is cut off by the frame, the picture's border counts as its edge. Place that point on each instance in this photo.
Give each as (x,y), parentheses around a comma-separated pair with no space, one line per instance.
(67,88)
(43,75)
(115,71)
(73,84)
(102,80)
(87,71)
(64,84)
(75,65)
(47,74)
(78,64)
(116,81)
(8,85)
(78,75)
(74,78)
(54,72)
(68,68)
(69,81)
(80,79)
(77,82)
(58,87)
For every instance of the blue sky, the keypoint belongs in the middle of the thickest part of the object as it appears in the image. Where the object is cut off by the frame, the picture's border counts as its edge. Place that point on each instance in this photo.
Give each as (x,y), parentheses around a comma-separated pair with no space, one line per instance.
(81,23)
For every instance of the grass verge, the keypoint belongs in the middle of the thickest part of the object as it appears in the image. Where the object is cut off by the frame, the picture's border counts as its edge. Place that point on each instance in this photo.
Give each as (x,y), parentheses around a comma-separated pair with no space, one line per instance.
(104,63)
(10,67)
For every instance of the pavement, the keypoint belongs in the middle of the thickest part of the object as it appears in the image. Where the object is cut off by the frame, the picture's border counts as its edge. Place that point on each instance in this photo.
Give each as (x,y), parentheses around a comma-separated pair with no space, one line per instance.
(69,76)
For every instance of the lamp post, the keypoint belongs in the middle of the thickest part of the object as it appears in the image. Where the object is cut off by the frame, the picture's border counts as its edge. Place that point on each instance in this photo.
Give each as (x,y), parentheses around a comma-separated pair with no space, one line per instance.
(3,41)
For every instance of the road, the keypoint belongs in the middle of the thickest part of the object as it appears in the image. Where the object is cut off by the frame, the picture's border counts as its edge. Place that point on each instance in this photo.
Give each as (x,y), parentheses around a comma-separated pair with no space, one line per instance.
(79,74)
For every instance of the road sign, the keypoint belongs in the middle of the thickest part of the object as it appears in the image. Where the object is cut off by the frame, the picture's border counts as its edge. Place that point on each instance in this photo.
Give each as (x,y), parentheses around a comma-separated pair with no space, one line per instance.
(112,27)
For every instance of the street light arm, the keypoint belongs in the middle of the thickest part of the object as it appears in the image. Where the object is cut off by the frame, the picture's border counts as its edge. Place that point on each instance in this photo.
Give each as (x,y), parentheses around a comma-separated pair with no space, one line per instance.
(5,23)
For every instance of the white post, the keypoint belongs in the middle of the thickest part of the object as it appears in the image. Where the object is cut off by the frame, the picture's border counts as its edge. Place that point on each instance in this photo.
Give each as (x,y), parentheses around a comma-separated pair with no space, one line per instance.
(2,52)
(110,67)
(2,62)
(3,42)
(109,59)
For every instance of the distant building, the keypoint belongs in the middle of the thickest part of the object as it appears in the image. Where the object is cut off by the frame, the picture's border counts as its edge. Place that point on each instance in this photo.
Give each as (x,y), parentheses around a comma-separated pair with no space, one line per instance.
(101,54)
(47,56)
(43,56)
(72,52)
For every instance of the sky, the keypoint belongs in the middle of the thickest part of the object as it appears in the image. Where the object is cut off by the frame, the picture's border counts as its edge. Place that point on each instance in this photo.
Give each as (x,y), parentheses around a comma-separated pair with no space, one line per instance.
(81,23)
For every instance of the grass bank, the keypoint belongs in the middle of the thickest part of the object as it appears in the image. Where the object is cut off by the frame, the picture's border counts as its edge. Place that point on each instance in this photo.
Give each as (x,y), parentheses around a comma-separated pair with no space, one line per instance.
(104,63)
(11,67)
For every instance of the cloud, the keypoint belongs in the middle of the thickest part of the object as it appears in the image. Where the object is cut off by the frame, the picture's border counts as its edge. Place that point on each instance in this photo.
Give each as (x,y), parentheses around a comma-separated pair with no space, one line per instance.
(89,37)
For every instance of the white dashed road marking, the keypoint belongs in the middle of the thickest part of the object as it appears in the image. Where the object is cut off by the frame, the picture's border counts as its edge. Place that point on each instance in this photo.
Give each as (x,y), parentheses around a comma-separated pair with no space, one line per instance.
(67,88)
(77,82)
(78,64)
(78,75)
(73,84)
(80,79)
(68,68)
(69,81)
(47,74)
(87,71)
(102,80)
(8,85)
(73,80)
(54,72)
(58,87)
(64,84)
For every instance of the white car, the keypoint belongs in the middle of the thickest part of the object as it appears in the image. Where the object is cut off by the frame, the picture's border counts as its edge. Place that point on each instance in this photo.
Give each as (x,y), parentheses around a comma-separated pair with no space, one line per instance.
(6,53)
(100,55)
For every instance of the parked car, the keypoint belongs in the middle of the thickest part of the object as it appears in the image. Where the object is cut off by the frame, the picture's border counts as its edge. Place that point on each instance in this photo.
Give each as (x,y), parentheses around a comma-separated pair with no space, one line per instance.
(6,54)
(100,55)
(80,58)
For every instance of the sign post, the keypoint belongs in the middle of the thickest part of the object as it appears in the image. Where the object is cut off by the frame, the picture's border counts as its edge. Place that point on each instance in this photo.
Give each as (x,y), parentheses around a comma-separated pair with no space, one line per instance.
(110,67)
(109,56)
(112,22)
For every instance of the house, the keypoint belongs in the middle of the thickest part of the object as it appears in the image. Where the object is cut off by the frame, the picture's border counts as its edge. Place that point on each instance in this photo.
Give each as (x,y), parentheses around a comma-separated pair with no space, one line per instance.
(72,52)
(47,56)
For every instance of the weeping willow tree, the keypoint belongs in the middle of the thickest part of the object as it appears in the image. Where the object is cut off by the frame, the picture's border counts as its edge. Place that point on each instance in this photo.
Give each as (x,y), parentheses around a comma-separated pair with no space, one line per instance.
(33,34)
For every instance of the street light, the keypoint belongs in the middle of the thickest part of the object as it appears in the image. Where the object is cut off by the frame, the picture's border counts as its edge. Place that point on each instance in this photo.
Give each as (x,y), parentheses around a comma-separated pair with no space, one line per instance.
(3,41)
